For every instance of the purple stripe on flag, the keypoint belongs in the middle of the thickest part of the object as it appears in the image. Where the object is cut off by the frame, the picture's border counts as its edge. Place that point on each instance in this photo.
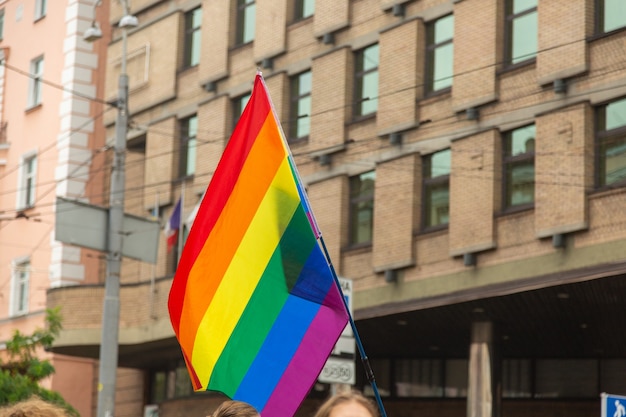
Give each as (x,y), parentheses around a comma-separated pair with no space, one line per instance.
(309,358)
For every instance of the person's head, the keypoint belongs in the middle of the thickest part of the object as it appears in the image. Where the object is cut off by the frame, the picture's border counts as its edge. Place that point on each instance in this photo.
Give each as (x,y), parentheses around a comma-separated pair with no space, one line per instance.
(33,407)
(348,404)
(235,409)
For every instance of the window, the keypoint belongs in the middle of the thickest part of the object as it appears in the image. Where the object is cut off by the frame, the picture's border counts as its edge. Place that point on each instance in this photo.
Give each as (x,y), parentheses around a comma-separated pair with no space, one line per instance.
(436,201)
(20,277)
(300,117)
(457,375)
(41,7)
(521,31)
(611,144)
(188,132)
(611,15)
(27,182)
(246,11)
(518,163)
(303,9)
(611,375)
(566,378)
(193,20)
(169,382)
(362,208)
(366,81)
(1,24)
(521,377)
(35,83)
(419,377)
(439,54)
(516,378)
(239,104)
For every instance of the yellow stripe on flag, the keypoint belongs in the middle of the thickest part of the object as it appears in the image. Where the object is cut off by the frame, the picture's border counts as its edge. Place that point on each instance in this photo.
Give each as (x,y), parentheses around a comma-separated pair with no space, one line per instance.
(244,272)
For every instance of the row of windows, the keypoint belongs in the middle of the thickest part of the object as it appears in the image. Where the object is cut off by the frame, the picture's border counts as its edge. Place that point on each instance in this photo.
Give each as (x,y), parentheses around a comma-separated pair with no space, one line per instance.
(521,34)
(521,378)
(521,41)
(518,163)
(448,378)
(518,166)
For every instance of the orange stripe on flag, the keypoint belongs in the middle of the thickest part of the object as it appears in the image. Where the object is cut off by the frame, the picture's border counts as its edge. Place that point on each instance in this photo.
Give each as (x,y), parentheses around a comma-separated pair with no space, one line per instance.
(206,274)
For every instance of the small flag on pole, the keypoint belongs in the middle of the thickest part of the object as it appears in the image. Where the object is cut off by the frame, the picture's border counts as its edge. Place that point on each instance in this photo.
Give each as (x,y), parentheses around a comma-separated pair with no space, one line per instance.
(173,225)
(254,302)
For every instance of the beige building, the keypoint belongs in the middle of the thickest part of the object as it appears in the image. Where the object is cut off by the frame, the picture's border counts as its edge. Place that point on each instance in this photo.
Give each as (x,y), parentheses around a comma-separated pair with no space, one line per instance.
(51,144)
(465,160)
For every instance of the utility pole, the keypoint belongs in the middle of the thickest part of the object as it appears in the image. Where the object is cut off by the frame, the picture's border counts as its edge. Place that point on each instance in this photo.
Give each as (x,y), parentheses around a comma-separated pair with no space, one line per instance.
(111,308)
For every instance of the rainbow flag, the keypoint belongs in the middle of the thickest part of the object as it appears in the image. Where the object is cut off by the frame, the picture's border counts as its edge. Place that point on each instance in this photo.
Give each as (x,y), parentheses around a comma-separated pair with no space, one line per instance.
(254,302)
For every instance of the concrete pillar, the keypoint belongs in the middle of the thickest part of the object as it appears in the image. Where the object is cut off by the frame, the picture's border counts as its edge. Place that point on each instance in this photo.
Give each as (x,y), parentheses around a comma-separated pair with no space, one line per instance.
(483,394)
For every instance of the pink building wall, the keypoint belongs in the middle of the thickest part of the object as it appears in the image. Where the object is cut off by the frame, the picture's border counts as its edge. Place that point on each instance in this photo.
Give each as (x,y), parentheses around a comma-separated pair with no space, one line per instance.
(65,135)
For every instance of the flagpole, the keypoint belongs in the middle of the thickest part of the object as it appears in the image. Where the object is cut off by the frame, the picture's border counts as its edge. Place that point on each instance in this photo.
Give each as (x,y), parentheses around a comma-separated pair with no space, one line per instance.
(369,373)
(155,213)
(181,231)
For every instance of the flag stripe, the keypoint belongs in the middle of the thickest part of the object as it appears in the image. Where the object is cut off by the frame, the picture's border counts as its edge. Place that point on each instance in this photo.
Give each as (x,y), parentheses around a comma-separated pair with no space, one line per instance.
(266,303)
(283,343)
(223,181)
(279,348)
(309,359)
(255,179)
(250,260)
(248,336)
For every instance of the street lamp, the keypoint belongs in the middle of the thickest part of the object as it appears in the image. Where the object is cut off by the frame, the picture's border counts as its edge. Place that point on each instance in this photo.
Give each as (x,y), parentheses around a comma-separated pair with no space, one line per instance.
(111,308)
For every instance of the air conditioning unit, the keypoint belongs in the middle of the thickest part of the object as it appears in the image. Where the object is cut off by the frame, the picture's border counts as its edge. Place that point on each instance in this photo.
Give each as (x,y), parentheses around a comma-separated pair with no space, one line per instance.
(151,410)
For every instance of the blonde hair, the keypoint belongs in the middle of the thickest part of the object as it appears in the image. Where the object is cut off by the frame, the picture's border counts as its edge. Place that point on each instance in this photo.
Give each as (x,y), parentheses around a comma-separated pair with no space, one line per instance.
(233,408)
(33,407)
(346,397)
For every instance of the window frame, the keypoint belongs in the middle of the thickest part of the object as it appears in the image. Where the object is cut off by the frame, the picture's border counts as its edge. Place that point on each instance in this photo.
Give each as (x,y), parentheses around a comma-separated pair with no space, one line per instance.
(509,161)
(509,39)
(27,181)
(192,38)
(238,106)
(188,146)
(602,136)
(432,46)
(20,287)
(360,202)
(430,182)
(244,8)
(35,84)
(41,9)
(169,382)
(300,9)
(2,24)
(297,98)
(600,21)
(360,74)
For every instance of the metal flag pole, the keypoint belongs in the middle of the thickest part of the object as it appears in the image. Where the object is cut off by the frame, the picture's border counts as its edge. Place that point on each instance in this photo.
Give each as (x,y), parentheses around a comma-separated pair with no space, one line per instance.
(181,231)
(156,215)
(369,373)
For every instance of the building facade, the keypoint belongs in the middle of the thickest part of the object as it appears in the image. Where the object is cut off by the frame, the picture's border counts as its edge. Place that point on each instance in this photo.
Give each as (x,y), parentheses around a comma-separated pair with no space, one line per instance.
(50,145)
(464,159)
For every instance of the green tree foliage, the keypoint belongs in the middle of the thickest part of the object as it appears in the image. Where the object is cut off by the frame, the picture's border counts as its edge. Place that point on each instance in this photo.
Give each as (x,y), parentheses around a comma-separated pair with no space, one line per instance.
(21,373)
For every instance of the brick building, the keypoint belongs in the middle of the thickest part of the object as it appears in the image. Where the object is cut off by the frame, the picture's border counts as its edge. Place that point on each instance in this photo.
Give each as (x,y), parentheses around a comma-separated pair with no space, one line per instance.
(464,159)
